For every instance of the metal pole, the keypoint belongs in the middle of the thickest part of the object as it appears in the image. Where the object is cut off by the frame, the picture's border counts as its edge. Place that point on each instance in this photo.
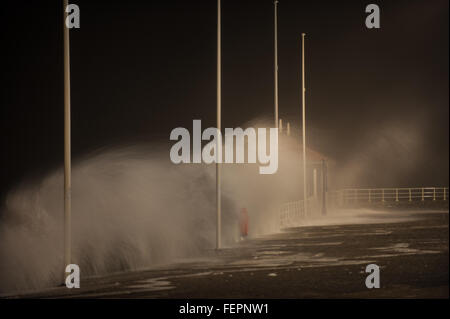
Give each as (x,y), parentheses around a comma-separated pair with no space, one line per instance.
(219,111)
(315,183)
(276,60)
(67,164)
(324,187)
(304,123)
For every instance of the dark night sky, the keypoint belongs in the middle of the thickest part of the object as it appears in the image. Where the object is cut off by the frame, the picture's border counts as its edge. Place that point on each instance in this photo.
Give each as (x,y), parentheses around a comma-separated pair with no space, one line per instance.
(141,68)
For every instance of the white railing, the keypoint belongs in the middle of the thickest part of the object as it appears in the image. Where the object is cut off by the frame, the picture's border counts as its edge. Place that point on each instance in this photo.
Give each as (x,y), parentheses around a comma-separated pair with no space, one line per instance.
(293,213)
(382,195)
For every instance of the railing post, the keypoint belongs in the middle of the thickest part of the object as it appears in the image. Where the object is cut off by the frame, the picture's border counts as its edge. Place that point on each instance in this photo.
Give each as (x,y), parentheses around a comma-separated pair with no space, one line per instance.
(434,193)
(382,195)
(445,195)
(410,198)
(396,194)
(423,194)
(370,196)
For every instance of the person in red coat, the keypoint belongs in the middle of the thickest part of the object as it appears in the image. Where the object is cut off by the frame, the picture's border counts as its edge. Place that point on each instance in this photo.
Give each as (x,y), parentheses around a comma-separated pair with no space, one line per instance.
(243,223)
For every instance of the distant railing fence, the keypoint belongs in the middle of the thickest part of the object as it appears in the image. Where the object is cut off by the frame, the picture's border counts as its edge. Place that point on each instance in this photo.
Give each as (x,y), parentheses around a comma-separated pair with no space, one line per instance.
(382,195)
(293,213)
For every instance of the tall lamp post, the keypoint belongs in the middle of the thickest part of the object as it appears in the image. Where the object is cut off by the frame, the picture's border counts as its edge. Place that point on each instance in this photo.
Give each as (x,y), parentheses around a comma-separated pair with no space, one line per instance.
(276,61)
(304,125)
(67,152)
(219,111)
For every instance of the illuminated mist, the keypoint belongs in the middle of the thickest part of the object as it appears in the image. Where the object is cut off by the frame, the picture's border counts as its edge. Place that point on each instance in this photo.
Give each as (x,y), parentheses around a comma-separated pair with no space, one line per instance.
(132,208)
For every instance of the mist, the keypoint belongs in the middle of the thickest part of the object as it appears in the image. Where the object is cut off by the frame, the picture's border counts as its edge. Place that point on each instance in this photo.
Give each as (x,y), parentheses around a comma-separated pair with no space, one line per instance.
(132,208)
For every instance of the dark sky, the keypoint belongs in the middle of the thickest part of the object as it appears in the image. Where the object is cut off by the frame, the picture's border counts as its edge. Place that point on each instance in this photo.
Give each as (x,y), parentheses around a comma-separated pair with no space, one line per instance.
(141,68)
